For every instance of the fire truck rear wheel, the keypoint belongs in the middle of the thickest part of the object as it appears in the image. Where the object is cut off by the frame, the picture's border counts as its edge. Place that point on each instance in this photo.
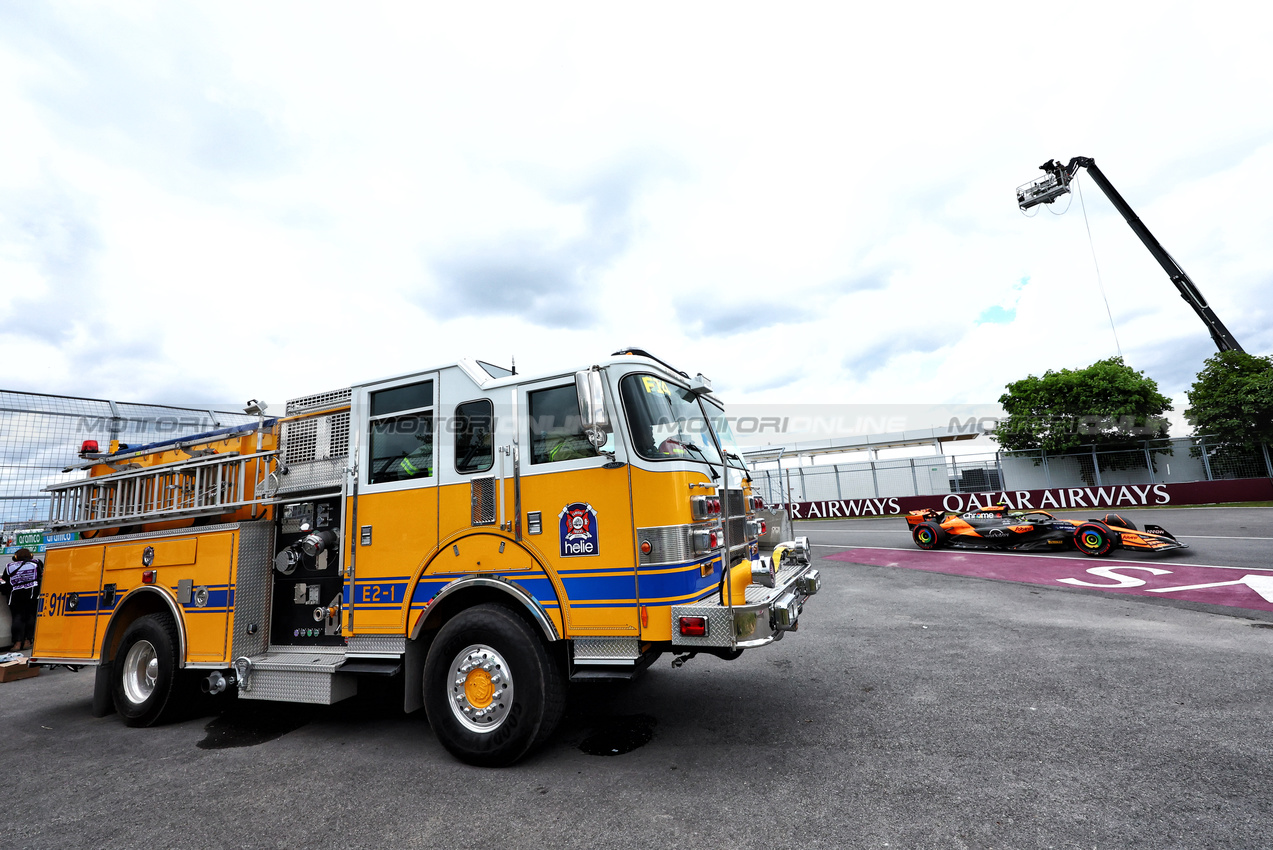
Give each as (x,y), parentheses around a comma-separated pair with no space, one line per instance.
(146,687)
(492,691)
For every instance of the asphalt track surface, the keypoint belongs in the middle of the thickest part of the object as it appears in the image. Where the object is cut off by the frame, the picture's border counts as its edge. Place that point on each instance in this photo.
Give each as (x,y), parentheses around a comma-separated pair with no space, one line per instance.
(912,709)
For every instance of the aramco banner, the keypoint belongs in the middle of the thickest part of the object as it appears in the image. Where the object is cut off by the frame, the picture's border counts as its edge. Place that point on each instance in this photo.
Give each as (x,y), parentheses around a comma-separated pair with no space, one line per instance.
(1052,499)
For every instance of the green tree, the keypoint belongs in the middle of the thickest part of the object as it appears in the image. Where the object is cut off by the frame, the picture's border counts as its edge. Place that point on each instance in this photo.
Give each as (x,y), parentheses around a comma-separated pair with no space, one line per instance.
(1108,404)
(1232,400)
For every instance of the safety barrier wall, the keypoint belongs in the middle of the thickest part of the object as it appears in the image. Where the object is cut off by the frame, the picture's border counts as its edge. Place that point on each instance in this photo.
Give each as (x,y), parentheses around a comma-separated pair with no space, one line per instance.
(1175,461)
(1096,500)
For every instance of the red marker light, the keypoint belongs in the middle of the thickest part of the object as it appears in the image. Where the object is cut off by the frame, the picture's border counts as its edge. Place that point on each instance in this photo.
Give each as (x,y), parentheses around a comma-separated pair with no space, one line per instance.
(148,577)
(764,529)
(694,626)
(645,547)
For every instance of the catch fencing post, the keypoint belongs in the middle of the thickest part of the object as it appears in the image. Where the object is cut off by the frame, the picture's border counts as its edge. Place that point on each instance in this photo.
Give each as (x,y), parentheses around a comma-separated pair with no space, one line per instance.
(1206,461)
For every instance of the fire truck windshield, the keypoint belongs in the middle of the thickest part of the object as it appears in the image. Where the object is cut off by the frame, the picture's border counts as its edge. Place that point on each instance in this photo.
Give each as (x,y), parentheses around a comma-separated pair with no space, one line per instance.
(667,423)
(724,433)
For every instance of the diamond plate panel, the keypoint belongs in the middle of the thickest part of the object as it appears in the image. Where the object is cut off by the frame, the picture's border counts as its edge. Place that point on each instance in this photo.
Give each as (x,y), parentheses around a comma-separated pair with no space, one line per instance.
(720,624)
(313,687)
(607,649)
(786,575)
(252,588)
(388,645)
(312,475)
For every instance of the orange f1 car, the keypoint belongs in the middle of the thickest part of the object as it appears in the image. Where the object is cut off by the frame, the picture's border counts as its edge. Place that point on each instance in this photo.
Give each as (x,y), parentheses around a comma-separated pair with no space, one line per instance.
(995,527)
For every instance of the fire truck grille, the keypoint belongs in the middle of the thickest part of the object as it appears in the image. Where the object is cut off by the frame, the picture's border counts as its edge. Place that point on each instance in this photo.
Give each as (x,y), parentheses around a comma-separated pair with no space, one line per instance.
(319,401)
(319,438)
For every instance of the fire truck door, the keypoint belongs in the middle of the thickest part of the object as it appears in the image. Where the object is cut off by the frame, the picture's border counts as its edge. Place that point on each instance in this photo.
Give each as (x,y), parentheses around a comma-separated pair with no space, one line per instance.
(576,512)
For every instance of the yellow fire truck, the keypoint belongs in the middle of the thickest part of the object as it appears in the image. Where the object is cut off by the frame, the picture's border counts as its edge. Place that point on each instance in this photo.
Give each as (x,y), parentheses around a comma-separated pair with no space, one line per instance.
(486,536)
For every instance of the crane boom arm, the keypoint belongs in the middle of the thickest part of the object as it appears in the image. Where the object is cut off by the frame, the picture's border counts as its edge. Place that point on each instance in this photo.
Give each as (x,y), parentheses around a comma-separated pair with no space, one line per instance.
(1047,189)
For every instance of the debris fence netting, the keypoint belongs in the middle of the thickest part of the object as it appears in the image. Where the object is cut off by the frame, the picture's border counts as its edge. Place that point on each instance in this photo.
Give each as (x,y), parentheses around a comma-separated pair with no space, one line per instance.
(41,435)
(1171,461)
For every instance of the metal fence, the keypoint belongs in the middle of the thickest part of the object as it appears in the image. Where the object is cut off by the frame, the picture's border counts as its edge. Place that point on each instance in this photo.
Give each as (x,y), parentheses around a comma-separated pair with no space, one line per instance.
(1160,462)
(40,435)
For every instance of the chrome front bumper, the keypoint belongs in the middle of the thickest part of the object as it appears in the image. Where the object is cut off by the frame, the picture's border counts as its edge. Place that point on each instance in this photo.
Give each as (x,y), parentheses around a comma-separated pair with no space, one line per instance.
(762,618)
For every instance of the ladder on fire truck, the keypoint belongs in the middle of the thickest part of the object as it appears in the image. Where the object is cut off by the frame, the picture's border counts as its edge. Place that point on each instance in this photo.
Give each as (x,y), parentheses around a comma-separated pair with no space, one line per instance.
(200,486)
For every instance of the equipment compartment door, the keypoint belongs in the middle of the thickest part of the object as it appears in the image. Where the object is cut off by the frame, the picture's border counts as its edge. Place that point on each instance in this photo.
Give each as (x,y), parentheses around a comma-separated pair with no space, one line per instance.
(397,503)
(70,601)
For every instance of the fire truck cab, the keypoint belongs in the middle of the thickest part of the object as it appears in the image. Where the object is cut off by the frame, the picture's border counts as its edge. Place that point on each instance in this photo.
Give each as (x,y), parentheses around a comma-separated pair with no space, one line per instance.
(486,536)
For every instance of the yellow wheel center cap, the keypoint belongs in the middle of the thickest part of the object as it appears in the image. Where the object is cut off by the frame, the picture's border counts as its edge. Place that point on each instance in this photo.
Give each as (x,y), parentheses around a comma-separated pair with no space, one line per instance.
(478,689)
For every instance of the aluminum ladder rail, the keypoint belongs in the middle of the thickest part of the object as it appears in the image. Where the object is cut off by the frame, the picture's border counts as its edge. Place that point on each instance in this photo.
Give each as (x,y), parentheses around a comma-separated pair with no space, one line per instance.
(200,486)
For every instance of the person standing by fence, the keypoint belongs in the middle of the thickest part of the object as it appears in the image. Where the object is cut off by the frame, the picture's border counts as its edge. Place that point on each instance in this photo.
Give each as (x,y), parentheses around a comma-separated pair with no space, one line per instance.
(21,580)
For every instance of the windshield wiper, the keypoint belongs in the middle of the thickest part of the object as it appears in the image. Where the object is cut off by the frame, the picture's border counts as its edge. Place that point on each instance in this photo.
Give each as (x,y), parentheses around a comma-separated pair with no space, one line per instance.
(691,446)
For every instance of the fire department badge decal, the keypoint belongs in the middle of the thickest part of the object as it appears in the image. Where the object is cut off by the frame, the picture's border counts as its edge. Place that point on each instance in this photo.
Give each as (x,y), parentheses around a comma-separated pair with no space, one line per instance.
(578,524)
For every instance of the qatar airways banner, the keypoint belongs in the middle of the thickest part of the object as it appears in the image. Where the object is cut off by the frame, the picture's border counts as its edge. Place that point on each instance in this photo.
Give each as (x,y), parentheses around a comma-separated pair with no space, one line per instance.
(1056,498)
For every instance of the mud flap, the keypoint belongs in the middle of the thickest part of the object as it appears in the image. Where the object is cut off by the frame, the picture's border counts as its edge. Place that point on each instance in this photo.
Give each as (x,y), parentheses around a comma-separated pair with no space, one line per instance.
(103,701)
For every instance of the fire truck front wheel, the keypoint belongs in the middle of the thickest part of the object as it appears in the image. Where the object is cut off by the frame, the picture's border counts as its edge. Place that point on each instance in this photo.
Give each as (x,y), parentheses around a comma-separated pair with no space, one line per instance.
(492,691)
(146,671)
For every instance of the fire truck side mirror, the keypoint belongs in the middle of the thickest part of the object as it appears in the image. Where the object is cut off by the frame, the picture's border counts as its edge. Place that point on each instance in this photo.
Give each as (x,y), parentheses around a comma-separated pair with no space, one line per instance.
(592,406)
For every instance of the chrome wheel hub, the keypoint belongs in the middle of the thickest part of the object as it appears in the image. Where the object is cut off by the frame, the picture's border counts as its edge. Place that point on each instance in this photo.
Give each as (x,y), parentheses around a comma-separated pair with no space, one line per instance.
(481,688)
(141,671)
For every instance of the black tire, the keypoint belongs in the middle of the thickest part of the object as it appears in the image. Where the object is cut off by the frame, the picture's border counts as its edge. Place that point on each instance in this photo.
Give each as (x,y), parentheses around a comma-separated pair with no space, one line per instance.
(511,697)
(1094,540)
(928,535)
(146,688)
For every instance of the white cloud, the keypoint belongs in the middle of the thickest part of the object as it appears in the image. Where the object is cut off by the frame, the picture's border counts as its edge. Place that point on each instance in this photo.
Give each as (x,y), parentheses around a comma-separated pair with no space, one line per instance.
(810,204)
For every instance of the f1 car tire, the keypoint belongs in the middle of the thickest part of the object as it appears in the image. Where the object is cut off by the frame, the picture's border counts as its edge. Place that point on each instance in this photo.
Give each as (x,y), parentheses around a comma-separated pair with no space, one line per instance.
(146,688)
(492,691)
(928,535)
(1094,540)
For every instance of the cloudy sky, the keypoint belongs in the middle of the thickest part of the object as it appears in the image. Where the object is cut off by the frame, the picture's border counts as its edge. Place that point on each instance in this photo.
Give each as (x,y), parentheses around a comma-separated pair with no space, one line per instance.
(810,203)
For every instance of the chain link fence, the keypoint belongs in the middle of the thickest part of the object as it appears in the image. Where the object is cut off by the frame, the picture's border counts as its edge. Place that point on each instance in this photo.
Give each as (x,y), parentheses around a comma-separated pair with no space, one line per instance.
(1171,461)
(40,435)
